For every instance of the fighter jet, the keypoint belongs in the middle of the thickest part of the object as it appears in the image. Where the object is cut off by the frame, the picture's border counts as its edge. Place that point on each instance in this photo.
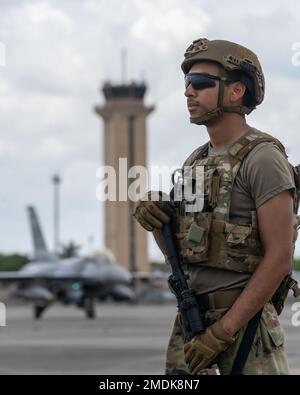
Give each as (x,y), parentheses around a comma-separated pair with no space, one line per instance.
(48,278)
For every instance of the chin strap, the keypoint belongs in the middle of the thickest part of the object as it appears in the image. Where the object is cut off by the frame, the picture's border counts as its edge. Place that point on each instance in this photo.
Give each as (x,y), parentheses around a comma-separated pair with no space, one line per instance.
(208,116)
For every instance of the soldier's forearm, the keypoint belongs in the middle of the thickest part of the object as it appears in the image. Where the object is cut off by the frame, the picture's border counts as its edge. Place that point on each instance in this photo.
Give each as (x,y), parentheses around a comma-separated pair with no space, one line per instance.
(258,292)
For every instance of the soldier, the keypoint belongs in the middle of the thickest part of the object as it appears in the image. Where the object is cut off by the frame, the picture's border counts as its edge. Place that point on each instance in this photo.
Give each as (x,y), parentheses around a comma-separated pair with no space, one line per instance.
(238,249)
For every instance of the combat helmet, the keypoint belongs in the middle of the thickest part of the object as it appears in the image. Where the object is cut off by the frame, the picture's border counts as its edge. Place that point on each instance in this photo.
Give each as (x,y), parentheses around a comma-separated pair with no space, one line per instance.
(235,60)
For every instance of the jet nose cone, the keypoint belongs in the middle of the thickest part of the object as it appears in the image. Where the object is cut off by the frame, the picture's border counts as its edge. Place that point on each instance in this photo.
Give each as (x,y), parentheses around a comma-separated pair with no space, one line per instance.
(122,275)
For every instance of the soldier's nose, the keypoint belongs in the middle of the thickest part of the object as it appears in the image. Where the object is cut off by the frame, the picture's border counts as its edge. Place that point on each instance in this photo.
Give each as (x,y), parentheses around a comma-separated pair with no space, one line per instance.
(190,91)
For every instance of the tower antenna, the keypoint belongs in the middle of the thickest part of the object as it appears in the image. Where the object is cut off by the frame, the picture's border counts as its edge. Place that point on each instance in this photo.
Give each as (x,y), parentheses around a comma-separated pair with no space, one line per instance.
(124,65)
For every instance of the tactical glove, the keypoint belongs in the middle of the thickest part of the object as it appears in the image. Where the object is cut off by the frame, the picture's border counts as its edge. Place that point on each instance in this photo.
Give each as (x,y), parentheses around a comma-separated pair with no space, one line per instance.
(204,348)
(153,213)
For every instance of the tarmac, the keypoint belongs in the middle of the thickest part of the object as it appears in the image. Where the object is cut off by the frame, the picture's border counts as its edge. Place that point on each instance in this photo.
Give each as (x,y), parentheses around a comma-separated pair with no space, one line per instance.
(123,339)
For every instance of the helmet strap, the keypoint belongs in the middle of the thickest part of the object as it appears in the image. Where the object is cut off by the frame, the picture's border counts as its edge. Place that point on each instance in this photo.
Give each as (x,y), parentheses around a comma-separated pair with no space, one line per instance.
(220,109)
(209,115)
(239,109)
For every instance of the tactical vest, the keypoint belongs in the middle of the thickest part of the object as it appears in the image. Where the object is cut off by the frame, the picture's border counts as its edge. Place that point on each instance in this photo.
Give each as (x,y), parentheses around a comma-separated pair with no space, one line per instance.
(208,237)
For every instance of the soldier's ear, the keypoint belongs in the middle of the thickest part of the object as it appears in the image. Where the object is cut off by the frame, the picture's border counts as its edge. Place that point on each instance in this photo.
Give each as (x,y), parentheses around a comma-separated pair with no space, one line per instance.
(236,91)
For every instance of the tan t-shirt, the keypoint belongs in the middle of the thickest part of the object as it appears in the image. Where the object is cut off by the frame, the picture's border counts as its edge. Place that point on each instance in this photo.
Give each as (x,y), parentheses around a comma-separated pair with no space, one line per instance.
(263,174)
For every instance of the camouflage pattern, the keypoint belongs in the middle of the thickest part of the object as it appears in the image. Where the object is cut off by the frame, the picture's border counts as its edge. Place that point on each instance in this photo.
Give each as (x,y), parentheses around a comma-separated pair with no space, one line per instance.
(267,355)
(208,238)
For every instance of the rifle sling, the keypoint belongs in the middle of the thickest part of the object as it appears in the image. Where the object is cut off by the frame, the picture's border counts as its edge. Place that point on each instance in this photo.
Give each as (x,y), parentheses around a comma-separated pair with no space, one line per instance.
(245,346)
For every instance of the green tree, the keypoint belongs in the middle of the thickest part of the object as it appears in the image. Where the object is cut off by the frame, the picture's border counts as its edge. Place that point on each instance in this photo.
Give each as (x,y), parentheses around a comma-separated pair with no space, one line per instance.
(12,262)
(296,264)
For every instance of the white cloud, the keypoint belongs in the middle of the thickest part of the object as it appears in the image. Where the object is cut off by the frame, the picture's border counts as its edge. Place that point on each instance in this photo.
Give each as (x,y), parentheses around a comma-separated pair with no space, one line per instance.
(51,147)
(7,149)
(167,31)
(47,16)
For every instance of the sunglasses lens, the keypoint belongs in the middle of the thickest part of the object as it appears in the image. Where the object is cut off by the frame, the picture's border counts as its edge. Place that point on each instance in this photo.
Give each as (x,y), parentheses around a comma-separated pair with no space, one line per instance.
(199,81)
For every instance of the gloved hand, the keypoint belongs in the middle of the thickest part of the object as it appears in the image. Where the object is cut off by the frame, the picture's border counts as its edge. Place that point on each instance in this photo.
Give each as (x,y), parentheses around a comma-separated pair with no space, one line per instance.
(204,348)
(154,213)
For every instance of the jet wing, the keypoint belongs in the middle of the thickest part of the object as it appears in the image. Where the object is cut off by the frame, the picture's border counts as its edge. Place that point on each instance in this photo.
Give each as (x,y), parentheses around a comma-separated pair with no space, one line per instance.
(18,277)
(9,276)
(82,269)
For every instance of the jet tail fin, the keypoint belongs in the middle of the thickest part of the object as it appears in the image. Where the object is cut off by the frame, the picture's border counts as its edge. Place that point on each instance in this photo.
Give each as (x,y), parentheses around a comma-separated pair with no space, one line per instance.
(39,246)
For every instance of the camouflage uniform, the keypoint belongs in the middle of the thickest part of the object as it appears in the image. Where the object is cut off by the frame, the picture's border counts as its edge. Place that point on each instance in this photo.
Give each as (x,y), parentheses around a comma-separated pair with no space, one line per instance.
(267,355)
(208,238)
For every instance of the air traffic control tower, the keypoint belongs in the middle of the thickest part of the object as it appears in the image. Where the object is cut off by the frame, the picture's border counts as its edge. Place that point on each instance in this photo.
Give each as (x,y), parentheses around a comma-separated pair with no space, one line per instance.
(124,114)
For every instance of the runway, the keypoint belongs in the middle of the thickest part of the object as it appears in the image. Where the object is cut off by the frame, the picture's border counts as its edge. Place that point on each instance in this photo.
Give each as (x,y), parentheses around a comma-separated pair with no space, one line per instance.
(124,339)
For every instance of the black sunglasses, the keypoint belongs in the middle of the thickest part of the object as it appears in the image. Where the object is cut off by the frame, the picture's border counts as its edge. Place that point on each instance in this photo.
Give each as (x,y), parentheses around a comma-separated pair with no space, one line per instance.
(201,80)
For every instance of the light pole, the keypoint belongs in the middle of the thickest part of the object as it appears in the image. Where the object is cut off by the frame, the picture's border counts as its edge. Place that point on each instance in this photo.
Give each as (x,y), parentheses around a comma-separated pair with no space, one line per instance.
(56,182)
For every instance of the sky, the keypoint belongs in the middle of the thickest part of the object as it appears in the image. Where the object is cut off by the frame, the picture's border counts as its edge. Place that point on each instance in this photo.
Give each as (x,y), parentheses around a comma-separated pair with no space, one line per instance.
(54,57)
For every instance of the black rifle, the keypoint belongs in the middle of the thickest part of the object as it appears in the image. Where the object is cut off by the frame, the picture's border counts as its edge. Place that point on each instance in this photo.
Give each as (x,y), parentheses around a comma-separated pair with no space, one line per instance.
(191,319)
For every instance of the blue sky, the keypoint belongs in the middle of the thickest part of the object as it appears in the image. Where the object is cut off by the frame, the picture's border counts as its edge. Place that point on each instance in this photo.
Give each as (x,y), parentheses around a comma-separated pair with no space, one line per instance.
(58,54)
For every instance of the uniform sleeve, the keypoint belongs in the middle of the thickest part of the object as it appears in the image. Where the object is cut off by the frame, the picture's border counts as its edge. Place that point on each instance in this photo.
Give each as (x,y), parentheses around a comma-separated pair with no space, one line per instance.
(267,173)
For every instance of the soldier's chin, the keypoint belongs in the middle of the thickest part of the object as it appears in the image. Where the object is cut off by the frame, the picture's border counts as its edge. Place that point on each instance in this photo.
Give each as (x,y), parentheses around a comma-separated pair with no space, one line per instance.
(195,117)
(196,114)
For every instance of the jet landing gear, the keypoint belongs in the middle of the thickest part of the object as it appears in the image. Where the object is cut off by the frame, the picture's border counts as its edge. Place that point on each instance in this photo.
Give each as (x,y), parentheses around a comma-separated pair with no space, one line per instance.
(89,307)
(38,311)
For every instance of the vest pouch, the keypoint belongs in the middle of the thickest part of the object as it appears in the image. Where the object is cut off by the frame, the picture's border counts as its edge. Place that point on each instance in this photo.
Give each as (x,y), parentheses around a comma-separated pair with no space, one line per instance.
(242,251)
(236,234)
(193,238)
